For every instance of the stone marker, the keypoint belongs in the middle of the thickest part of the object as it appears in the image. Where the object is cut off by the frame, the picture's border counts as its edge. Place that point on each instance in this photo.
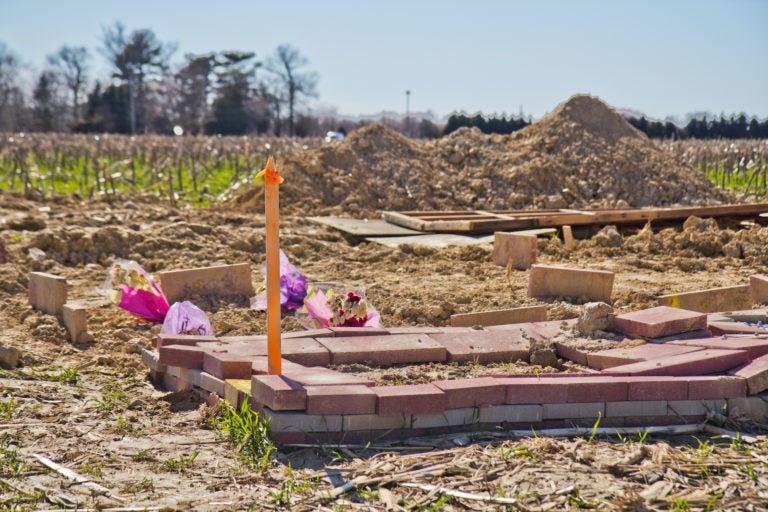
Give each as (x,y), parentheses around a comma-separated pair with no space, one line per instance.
(75,321)
(758,287)
(520,249)
(47,292)
(550,280)
(501,316)
(568,240)
(179,285)
(727,298)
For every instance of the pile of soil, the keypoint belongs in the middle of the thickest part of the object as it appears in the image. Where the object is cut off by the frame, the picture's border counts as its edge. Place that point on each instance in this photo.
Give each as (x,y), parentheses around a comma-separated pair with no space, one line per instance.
(584,154)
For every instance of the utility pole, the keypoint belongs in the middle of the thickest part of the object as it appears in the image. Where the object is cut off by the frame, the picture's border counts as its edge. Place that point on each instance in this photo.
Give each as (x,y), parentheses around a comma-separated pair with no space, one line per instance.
(408,113)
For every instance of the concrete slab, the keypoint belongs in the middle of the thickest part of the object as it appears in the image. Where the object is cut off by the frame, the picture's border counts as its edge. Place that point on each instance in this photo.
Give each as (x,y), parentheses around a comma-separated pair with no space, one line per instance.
(438,240)
(365,227)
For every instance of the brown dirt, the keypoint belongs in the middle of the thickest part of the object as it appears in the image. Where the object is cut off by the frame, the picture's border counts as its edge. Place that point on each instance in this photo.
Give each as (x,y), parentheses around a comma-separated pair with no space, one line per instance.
(137,440)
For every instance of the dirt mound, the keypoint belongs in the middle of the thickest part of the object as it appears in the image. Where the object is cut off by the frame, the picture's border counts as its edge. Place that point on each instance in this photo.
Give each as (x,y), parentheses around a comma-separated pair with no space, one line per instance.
(584,154)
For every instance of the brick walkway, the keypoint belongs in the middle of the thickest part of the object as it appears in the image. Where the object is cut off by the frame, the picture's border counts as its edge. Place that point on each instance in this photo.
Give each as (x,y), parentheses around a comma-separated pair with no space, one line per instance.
(690,366)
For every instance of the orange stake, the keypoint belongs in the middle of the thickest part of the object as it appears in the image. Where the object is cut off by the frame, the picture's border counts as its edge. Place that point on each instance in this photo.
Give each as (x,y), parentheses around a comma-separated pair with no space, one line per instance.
(272,180)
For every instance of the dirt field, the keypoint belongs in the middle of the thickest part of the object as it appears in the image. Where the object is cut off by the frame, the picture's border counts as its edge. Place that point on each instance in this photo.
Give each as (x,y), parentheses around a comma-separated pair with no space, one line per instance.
(89,406)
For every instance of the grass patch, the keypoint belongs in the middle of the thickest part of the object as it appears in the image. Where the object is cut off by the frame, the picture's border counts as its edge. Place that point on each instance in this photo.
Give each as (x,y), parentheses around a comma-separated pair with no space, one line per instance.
(248,433)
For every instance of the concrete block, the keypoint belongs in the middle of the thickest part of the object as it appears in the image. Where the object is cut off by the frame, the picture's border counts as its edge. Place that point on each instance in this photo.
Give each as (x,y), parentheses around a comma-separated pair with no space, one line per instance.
(448,418)
(519,249)
(181,355)
(289,421)
(152,360)
(194,377)
(758,288)
(727,298)
(636,408)
(701,362)
(617,356)
(695,407)
(345,399)
(47,292)
(659,321)
(75,320)
(755,373)
(178,285)
(484,346)
(530,413)
(656,388)
(500,317)
(752,407)
(227,366)
(721,386)
(589,410)
(550,280)
(409,399)
(384,350)
(278,393)
(353,422)
(212,384)
(473,392)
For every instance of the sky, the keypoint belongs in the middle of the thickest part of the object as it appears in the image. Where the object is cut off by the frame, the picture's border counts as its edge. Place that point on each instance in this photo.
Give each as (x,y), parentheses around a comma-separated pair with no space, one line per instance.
(661,58)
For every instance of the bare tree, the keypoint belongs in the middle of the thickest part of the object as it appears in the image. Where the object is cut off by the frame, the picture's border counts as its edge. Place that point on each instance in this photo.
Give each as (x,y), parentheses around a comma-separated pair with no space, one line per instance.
(71,63)
(293,83)
(9,91)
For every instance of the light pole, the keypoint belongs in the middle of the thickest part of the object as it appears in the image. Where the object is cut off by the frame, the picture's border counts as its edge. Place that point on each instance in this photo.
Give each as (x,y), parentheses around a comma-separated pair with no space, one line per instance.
(408,113)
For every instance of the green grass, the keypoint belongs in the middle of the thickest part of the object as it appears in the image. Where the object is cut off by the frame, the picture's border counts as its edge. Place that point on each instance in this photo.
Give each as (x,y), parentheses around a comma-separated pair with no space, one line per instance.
(248,433)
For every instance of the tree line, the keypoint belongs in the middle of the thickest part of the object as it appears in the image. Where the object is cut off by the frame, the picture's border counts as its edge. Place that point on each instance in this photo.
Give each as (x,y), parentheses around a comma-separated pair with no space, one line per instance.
(733,127)
(227,92)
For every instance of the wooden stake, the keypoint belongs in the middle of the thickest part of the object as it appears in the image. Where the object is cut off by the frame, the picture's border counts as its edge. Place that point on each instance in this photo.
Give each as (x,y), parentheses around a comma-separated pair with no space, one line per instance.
(272,182)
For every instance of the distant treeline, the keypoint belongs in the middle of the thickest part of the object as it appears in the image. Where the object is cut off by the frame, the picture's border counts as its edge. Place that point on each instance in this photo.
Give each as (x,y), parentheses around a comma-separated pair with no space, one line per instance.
(733,127)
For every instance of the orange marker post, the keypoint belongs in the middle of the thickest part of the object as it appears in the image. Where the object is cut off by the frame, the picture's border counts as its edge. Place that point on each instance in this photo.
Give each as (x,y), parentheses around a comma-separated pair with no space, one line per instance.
(272,181)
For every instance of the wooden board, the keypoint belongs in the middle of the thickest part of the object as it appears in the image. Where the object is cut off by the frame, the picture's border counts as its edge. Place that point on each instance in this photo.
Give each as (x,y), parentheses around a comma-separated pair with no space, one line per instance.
(482,221)
(365,227)
(436,240)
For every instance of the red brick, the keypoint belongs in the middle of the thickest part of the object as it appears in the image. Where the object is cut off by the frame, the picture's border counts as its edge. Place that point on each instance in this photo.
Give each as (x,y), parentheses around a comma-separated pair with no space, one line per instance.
(182,339)
(358,331)
(47,292)
(345,399)
(656,388)
(572,353)
(409,399)
(501,317)
(473,392)
(224,365)
(260,365)
(618,356)
(701,362)
(755,347)
(484,346)
(533,390)
(758,287)
(594,389)
(75,320)
(309,333)
(756,375)
(384,350)
(318,376)
(183,356)
(727,298)
(720,328)
(549,280)
(701,388)
(305,351)
(278,393)
(659,321)
(179,285)
(514,247)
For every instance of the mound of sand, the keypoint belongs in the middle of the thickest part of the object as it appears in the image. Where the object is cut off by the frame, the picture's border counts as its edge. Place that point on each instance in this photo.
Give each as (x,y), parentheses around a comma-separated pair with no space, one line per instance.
(582,155)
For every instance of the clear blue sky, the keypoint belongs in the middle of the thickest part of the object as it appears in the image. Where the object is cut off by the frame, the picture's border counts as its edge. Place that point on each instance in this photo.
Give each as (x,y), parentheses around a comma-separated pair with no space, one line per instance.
(659,57)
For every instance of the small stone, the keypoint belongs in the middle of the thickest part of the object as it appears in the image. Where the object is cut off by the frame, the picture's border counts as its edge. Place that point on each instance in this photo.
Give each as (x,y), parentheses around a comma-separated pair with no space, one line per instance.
(9,357)
(596,316)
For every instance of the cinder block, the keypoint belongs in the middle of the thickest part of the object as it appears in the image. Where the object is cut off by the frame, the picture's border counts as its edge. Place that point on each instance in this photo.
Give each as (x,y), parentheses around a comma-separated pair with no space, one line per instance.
(510,413)
(353,422)
(758,288)
(568,411)
(756,375)
(550,280)
(500,317)
(345,399)
(618,356)
(179,285)
(227,366)
(152,360)
(534,390)
(278,393)
(288,421)
(656,388)
(484,346)
(473,392)
(659,321)
(409,399)
(448,418)
(700,388)
(695,407)
(181,355)
(384,350)
(701,362)
(75,320)
(519,249)
(636,408)
(212,384)
(47,292)
(727,298)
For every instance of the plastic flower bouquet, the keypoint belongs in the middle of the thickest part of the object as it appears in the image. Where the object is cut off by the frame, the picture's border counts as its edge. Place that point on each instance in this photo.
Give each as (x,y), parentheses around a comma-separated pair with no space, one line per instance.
(337,305)
(293,287)
(131,288)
